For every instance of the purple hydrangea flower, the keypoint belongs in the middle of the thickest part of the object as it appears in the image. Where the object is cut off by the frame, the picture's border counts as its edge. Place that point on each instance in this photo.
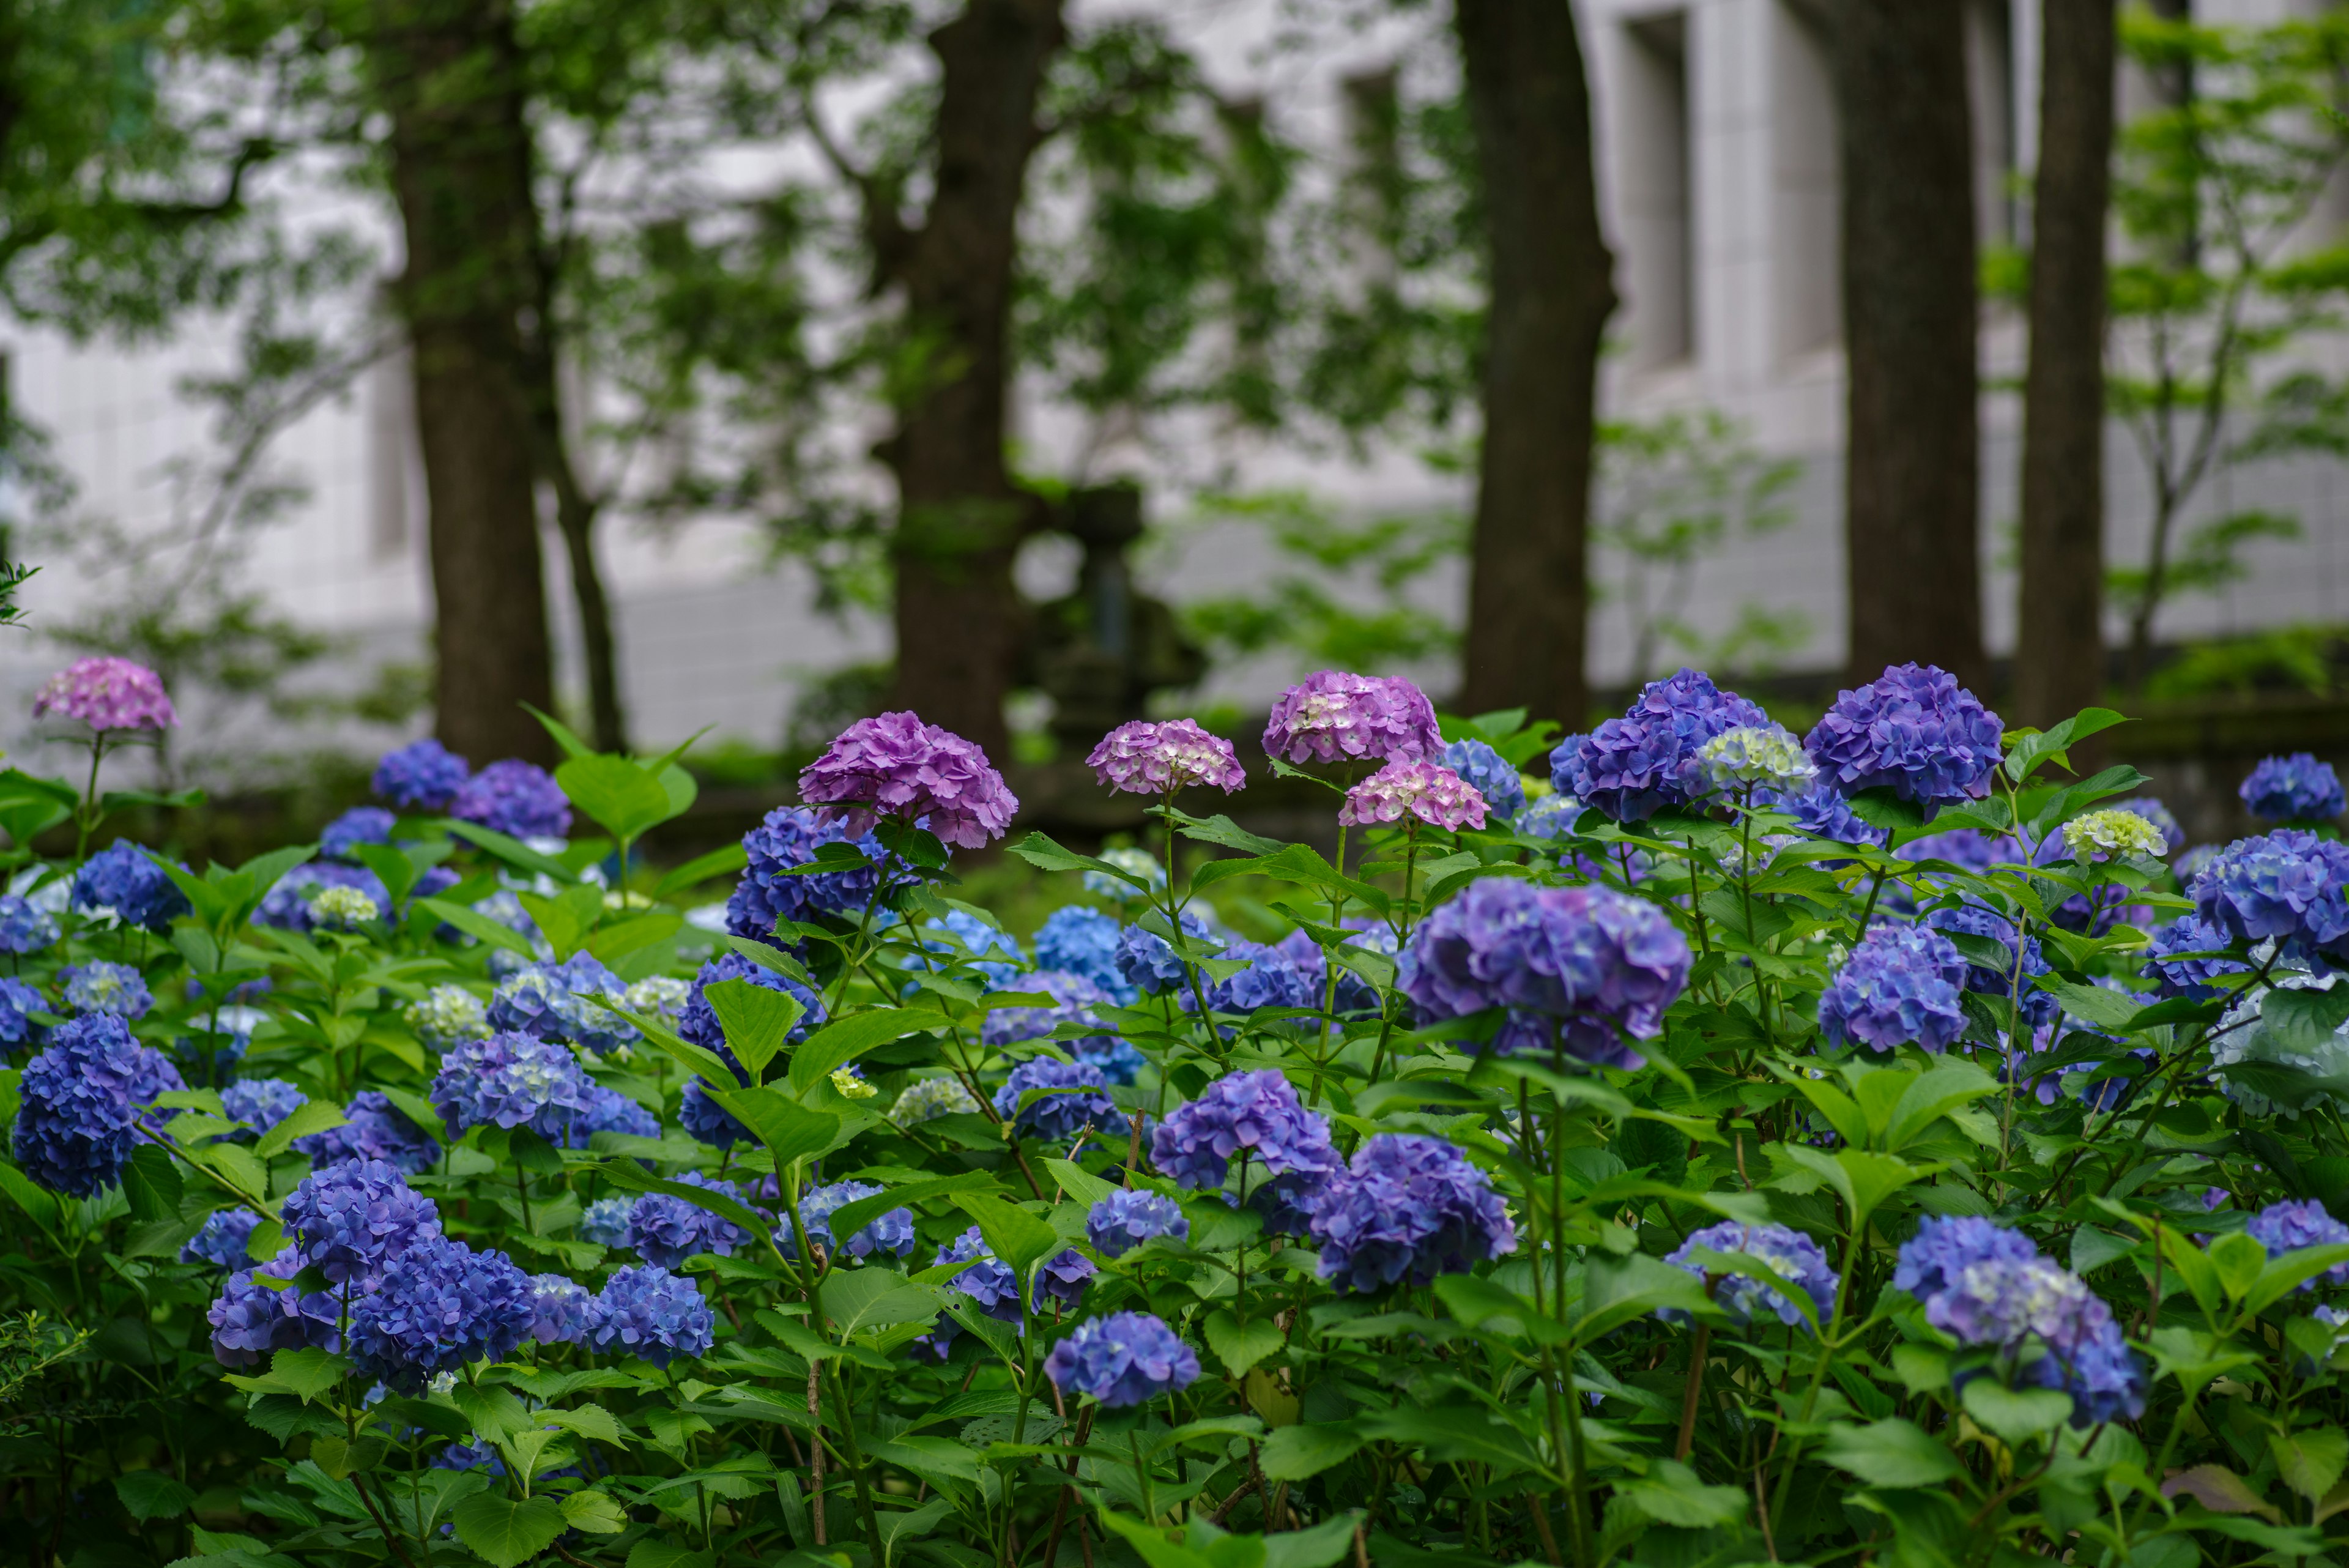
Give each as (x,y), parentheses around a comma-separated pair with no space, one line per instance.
(222,1241)
(1115,1058)
(2039,1007)
(1144,758)
(123,878)
(566,1001)
(98,986)
(1077,1098)
(1124,1359)
(108,693)
(516,798)
(2288,887)
(667,1230)
(898,767)
(422,776)
(1933,1259)
(373,1129)
(650,1312)
(1602,965)
(24,926)
(251,1321)
(1334,717)
(1428,792)
(1899,985)
(708,1122)
(697,1021)
(959,939)
(609,1110)
(360,825)
(892,1233)
(1063,1278)
(440,1306)
(1792,1256)
(1493,777)
(1150,963)
(769,891)
(2297,788)
(507,1080)
(989,1281)
(287,907)
(1272,979)
(18,1003)
(2184,976)
(262,1103)
(2287,1227)
(606,1221)
(1631,767)
(353,1220)
(2150,808)
(1245,1114)
(559,1310)
(1406,1210)
(1913,730)
(1073,997)
(1082,942)
(80,1102)
(1129,1217)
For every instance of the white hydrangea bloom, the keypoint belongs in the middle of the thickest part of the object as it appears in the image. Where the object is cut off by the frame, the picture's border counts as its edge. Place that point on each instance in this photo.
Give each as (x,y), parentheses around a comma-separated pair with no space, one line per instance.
(1752,757)
(926,1099)
(2114,833)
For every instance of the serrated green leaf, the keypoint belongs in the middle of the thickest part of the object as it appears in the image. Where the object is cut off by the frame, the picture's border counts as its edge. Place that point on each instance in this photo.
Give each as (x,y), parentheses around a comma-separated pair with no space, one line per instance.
(757,1020)
(594,1512)
(1890,1453)
(1016,1237)
(153,1494)
(842,1040)
(505,1531)
(309,1117)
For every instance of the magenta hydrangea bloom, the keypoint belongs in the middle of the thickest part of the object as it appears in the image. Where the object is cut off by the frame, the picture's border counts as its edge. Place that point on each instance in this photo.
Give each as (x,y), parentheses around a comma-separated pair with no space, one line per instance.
(1333,717)
(1428,791)
(1144,758)
(108,693)
(896,767)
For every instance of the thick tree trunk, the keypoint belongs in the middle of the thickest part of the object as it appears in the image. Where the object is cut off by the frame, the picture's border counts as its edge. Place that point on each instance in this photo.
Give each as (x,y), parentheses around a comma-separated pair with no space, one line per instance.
(959,618)
(448,73)
(2059,665)
(1910,476)
(1528,595)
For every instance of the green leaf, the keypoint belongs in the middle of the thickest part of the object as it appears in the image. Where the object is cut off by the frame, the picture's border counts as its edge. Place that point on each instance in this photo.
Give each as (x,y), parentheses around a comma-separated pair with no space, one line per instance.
(789,1130)
(308,1374)
(505,1532)
(2239,1259)
(1316,1546)
(623,798)
(1891,1453)
(594,1512)
(153,1494)
(1861,1178)
(588,1421)
(1016,1237)
(309,1117)
(1617,1290)
(1079,1183)
(701,868)
(2221,1491)
(2016,1414)
(514,852)
(651,1554)
(391,867)
(1299,1453)
(2311,1460)
(1240,1345)
(152,1184)
(2109,1010)
(2305,1021)
(418,1109)
(851,1218)
(622,939)
(843,1040)
(2288,1272)
(1042,853)
(480,927)
(34,1201)
(1452,1433)
(757,1020)
(1671,1494)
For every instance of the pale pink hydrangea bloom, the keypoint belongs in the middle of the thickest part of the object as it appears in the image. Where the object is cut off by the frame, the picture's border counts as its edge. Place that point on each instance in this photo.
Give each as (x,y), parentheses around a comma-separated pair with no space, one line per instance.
(1331,716)
(1428,791)
(896,766)
(108,693)
(1144,758)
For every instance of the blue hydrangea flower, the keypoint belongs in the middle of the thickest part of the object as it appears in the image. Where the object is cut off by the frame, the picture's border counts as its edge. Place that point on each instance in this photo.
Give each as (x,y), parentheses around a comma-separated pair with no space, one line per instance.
(222,1240)
(374,1129)
(1077,1098)
(1150,963)
(2173,836)
(1824,812)
(1080,941)
(262,1103)
(2014,1305)
(18,1003)
(1073,997)
(507,1080)
(606,1221)
(992,953)
(650,1312)
(2039,1007)
(24,925)
(1913,730)
(1271,979)
(350,1221)
(1490,774)
(1129,1217)
(989,1281)
(81,1100)
(440,1306)
(1553,816)
(2287,886)
(1357,997)
(1063,1278)
(473,1457)
(516,798)
(1248,1113)
(609,1110)
(561,1001)
(360,825)
(1942,1250)
(892,1232)
(102,987)
(768,892)
(2297,788)
(698,1023)
(251,1322)
(1792,1257)
(1118,1060)
(422,776)
(1629,768)
(287,905)
(1124,1359)
(559,1310)
(1899,985)
(667,1230)
(2287,1227)
(1406,1210)
(124,878)
(708,1122)
(2184,976)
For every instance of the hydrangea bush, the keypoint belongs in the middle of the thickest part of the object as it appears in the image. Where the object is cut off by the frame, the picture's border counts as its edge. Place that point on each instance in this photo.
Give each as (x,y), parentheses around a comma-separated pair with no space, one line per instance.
(1729,1147)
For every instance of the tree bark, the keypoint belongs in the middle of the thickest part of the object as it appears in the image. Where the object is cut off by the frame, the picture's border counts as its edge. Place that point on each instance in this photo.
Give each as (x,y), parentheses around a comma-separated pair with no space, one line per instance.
(2059,667)
(958,617)
(1551,294)
(1911,474)
(448,73)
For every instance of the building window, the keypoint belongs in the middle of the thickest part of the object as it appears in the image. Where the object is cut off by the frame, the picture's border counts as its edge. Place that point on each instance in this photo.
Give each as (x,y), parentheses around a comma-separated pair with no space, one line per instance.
(1806,179)
(1658,193)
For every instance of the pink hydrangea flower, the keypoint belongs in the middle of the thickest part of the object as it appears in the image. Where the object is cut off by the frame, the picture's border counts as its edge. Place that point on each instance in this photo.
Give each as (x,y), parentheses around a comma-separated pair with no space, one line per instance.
(1331,717)
(108,693)
(1428,791)
(896,766)
(1143,758)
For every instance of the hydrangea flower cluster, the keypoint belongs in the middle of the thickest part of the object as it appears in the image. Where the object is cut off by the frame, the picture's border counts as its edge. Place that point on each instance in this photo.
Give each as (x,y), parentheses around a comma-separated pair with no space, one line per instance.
(100,986)
(1914,731)
(708,1122)
(107,694)
(439,1306)
(292,904)
(18,1003)
(447,1016)
(360,825)
(895,766)
(1493,776)
(559,1310)
(262,1103)
(1798,1261)
(1150,963)
(1158,759)
(1075,1096)
(892,1233)
(1933,1259)
(659,996)
(1900,985)
(422,776)
(507,1080)
(647,1312)
(1631,767)
(1825,813)
(1272,979)
(1601,965)
(1129,1215)
(1074,999)
(2113,833)
(342,908)
(2180,974)
(80,1101)
(251,1322)
(2297,788)
(2039,1007)
(1137,862)
(24,926)
(1407,1209)
(1757,757)
(606,1221)
(697,1021)
(1245,1114)
(608,1111)
(516,798)
(373,1129)
(927,1099)
(1082,942)
(959,937)
(222,1241)
(1124,1359)
(667,1230)
(770,891)
(2287,886)
(1426,792)
(1332,716)
(2287,1227)
(565,1001)
(125,879)
(2173,836)
(350,1220)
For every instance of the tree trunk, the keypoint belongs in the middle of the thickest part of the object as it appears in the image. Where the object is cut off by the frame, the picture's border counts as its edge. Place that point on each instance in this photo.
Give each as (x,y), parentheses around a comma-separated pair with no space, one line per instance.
(1911,477)
(959,618)
(2059,666)
(1551,294)
(448,72)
